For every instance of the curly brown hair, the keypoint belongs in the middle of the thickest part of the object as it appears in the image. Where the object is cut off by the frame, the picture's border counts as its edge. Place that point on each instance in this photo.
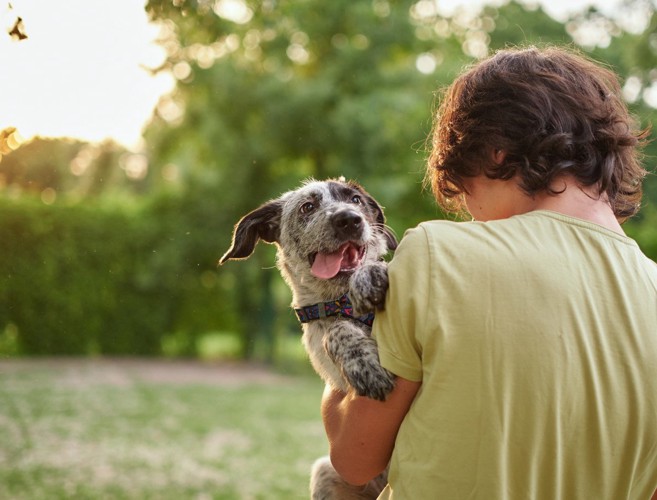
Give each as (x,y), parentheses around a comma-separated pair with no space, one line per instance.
(553,112)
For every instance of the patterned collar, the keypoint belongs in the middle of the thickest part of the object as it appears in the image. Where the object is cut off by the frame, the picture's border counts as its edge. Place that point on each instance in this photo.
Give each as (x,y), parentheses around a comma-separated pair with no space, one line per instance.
(338,307)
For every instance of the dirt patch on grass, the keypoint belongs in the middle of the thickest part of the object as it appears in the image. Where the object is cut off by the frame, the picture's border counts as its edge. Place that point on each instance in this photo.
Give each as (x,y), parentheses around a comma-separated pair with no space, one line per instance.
(127,371)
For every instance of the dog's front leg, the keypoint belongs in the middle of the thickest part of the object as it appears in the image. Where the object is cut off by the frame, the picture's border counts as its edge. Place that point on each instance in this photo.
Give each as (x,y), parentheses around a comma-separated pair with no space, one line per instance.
(357,357)
(368,286)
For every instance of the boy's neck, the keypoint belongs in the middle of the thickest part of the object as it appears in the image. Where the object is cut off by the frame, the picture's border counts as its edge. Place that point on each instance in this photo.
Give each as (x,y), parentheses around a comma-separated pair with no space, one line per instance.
(580,202)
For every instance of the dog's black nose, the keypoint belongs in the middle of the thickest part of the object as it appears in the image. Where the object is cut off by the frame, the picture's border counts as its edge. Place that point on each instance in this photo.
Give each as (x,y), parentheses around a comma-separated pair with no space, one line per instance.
(347,223)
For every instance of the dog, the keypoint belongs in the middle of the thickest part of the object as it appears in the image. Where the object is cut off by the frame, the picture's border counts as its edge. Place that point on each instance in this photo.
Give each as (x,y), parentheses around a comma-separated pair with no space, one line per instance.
(331,239)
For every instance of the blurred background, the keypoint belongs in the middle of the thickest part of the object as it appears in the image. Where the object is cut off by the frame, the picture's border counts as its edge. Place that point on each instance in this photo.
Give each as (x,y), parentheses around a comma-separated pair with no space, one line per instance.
(134,136)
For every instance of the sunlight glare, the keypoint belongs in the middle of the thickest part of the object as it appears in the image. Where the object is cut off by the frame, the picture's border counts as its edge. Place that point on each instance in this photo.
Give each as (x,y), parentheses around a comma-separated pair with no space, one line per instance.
(48,196)
(632,89)
(81,71)
(233,10)
(650,95)
(134,165)
(83,160)
(426,63)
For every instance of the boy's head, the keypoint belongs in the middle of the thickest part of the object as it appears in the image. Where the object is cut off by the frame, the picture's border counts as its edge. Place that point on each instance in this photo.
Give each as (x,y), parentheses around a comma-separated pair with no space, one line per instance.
(552,112)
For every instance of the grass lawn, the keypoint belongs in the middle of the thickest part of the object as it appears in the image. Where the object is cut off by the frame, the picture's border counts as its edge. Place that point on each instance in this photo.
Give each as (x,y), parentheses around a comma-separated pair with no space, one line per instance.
(155,430)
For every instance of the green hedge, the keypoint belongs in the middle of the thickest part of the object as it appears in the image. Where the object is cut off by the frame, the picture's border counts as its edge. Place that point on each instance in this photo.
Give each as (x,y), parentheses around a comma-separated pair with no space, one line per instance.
(108,278)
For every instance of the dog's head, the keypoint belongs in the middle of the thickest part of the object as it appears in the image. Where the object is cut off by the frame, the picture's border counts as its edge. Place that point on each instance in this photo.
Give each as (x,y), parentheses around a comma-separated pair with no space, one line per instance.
(324,231)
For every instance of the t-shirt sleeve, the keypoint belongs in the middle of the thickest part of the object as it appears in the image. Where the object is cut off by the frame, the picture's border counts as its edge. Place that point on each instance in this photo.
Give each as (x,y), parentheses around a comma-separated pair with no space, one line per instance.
(396,328)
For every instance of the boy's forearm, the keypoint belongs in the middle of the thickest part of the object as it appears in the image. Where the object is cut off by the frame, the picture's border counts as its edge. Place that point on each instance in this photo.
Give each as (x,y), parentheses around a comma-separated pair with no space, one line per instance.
(362,431)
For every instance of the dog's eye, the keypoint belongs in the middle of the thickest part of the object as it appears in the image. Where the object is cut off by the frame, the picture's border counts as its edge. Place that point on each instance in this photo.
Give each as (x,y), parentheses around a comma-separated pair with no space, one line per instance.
(306,208)
(357,200)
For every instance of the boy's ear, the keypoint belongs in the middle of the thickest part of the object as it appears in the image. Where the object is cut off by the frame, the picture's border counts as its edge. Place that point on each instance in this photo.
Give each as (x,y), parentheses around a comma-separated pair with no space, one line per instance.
(264,223)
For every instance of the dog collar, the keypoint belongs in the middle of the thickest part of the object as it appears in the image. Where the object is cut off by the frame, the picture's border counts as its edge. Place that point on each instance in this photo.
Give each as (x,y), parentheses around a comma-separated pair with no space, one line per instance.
(338,307)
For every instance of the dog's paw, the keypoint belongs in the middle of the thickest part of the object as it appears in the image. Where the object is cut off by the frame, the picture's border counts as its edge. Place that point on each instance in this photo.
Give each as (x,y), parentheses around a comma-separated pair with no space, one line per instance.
(368,286)
(356,355)
(374,382)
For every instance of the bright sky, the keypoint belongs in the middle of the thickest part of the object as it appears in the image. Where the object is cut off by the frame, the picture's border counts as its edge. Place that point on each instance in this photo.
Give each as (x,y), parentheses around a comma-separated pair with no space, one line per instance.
(80,73)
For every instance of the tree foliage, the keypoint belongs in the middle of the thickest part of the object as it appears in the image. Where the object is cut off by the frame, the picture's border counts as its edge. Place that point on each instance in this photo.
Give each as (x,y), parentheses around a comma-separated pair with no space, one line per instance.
(269,93)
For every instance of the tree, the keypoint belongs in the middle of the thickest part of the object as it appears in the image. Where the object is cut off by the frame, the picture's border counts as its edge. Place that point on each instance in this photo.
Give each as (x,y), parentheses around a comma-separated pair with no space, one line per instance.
(272,92)
(304,88)
(39,164)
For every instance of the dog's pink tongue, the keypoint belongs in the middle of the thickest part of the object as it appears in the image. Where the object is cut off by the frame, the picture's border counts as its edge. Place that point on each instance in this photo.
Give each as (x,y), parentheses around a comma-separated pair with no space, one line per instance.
(327,265)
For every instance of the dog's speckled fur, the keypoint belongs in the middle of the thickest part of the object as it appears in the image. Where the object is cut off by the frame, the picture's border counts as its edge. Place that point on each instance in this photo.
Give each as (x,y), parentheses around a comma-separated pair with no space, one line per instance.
(301,223)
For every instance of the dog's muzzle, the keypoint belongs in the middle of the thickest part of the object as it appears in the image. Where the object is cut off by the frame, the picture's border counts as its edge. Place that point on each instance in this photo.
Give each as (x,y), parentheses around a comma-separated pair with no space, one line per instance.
(347,223)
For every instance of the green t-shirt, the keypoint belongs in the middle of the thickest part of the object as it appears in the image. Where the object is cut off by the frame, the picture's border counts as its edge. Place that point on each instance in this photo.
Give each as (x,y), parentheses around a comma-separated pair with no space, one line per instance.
(535,338)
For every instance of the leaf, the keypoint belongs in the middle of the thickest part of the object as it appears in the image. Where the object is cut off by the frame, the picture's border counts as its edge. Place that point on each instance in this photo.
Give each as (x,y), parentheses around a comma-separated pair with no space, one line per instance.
(17,32)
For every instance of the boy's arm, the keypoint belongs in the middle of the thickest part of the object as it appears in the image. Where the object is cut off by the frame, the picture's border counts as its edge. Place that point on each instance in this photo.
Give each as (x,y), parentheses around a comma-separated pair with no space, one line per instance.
(362,431)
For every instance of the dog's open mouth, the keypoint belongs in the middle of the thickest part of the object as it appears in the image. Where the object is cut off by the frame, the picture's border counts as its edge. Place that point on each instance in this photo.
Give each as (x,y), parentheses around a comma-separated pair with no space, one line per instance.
(345,259)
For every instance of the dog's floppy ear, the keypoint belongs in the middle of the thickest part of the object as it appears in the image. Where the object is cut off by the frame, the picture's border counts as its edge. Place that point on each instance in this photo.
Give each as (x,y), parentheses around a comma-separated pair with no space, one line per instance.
(391,239)
(263,223)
